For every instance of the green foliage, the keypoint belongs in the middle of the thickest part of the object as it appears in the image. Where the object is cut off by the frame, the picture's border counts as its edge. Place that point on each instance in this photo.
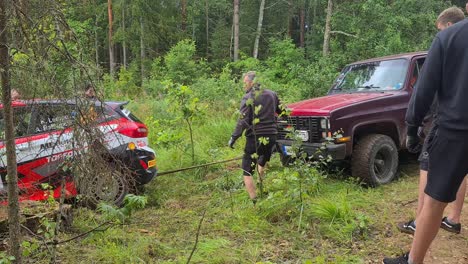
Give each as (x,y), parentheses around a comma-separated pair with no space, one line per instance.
(180,65)
(131,204)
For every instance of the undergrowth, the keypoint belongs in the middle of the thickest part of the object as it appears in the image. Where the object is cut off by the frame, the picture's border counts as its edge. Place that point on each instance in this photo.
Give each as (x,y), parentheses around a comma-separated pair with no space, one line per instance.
(338,221)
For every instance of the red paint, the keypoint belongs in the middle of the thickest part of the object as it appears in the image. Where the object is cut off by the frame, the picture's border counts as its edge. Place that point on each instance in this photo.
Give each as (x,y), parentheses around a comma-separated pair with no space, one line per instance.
(322,106)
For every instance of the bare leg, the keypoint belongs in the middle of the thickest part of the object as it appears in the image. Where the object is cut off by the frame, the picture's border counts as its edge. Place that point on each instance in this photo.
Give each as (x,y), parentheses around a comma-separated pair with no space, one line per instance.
(427,228)
(457,206)
(422,186)
(250,186)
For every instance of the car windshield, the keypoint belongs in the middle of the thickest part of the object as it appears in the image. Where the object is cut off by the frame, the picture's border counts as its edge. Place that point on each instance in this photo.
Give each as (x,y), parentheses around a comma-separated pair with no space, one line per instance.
(373,76)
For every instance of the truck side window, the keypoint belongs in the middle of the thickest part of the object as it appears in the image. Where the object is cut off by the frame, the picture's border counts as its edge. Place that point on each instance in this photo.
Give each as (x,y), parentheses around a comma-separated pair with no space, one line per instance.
(416,71)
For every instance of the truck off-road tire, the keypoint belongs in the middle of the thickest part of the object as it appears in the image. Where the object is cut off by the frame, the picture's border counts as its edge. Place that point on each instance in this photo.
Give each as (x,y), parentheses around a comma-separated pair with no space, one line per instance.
(375,160)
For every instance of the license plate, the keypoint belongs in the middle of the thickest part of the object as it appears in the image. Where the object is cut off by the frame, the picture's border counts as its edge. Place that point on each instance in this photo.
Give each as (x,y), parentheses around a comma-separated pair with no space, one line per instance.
(287,150)
(151,163)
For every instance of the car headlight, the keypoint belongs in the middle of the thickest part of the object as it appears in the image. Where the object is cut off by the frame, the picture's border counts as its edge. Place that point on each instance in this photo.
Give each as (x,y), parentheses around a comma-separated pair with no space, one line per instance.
(324,124)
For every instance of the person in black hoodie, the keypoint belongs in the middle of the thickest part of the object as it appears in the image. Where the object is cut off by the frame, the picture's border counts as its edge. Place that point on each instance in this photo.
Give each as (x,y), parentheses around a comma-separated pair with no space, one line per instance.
(451,222)
(258,111)
(445,75)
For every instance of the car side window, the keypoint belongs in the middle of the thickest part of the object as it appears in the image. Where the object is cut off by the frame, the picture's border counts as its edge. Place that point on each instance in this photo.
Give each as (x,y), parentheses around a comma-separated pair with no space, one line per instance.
(21,122)
(52,117)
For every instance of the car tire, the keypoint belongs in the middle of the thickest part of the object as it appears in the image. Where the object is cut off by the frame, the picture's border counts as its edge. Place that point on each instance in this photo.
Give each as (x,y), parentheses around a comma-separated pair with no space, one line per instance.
(375,160)
(109,187)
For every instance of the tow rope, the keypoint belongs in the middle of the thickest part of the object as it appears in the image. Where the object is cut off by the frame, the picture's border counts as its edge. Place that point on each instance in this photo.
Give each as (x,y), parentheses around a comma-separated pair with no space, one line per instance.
(198,166)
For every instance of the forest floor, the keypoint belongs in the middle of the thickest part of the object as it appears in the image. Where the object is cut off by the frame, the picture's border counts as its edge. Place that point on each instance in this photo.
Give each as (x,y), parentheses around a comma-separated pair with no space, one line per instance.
(233,231)
(446,248)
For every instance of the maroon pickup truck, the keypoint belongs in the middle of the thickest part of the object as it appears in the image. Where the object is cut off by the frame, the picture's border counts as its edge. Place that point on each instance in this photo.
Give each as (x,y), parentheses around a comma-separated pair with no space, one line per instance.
(367,103)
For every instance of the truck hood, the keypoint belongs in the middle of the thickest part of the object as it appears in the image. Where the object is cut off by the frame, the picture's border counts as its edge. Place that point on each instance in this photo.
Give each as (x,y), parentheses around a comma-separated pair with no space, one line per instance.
(322,106)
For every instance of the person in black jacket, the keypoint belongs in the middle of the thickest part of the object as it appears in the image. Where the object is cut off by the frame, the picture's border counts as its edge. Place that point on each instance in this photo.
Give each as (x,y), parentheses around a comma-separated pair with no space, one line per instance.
(444,74)
(258,111)
(451,223)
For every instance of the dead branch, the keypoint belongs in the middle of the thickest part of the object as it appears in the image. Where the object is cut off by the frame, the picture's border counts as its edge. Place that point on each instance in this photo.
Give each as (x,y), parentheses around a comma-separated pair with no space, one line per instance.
(196,238)
(343,33)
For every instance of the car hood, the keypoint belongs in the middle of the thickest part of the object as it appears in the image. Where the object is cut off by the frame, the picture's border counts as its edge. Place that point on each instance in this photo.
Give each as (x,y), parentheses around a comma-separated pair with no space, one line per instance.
(322,106)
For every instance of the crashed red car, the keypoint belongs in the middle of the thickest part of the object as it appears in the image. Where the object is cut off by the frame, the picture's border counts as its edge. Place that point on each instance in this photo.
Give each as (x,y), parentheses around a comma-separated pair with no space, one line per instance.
(45,139)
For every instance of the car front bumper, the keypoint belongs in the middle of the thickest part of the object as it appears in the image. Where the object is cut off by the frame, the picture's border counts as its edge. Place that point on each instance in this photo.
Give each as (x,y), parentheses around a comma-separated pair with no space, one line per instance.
(315,150)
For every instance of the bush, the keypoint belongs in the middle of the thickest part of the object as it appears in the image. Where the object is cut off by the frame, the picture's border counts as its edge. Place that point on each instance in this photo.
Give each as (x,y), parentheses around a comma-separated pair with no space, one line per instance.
(180,65)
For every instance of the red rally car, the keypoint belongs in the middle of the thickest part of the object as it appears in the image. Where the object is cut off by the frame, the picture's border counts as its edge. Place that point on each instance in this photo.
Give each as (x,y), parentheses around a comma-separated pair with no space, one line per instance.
(45,138)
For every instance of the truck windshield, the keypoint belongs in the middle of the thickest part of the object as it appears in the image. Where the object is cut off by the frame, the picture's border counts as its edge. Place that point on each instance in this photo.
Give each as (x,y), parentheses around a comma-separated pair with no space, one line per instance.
(373,76)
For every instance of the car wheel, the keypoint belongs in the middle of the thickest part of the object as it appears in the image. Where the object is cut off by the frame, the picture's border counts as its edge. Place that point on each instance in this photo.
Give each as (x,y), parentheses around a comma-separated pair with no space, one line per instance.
(375,160)
(109,186)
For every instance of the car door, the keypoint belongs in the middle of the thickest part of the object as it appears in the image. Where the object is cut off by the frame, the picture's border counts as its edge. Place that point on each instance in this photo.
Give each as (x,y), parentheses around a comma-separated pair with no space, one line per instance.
(22,127)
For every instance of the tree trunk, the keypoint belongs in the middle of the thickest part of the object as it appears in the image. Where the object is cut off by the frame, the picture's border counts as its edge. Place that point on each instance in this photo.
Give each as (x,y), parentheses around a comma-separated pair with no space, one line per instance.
(12,177)
(290,18)
(111,44)
(124,42)
(326,38)
(184,15)
(259,29)
(142,49)
(96,40)
(207,29)
(302,23)
(236,30)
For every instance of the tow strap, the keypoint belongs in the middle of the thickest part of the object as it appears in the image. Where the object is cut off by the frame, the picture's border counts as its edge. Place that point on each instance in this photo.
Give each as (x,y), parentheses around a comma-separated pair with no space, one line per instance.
(198,166)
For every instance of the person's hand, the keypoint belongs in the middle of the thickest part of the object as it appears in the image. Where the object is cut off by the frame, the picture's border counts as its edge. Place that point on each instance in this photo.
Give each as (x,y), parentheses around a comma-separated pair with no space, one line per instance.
(413,144)
(231,142)
(413,140)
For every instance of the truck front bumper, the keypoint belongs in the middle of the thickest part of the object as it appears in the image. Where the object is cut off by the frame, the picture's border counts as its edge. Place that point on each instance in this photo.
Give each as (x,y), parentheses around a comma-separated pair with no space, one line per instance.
(315,150)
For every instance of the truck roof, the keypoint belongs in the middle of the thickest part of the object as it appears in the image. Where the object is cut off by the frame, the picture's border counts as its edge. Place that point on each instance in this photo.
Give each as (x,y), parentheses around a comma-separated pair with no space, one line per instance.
(390,57)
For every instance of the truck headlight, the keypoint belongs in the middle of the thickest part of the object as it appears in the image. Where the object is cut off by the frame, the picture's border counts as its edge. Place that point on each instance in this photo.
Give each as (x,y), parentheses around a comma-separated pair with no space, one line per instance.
(324,123)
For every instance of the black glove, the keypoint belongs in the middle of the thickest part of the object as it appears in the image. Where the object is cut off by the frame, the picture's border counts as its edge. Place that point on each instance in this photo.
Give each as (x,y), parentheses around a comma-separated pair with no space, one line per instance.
(231,142)
(413,141)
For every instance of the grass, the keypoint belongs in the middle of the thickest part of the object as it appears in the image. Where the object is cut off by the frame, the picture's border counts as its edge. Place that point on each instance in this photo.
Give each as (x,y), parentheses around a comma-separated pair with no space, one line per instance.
(341,221)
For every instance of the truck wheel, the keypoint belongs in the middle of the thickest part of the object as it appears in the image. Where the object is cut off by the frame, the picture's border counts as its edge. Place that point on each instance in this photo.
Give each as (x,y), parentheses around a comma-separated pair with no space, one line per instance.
(375,160)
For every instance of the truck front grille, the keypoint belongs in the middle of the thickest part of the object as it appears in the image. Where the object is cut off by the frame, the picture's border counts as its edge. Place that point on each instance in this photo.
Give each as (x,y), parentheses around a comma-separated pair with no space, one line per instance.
(311,124)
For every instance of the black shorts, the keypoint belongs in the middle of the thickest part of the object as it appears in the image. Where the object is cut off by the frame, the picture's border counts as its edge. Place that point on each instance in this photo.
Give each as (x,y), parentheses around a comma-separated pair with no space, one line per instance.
(447,164)
(256,145)
(424,156)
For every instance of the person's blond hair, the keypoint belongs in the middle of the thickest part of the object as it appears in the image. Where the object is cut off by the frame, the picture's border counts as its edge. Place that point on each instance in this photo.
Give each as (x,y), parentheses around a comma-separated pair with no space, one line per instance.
(450,15)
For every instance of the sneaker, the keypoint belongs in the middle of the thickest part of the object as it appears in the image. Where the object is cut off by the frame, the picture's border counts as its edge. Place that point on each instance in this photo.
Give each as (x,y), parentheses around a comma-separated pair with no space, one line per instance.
(398,260)
(407,227)
(446,225)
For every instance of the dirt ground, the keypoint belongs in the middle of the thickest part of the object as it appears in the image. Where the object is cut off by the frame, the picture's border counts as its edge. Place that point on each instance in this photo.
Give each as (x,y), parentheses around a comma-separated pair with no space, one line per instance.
(447,247)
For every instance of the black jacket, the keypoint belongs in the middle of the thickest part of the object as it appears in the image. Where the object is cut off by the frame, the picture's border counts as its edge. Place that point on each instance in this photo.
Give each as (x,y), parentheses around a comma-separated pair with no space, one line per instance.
(445,74)
(258,108)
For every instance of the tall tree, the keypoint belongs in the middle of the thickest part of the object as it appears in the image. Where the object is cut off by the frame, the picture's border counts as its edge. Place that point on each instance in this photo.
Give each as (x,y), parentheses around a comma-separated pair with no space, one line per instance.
(259,28)
(290,18)
(302,25)
(142,49)
(207,21)
(111,42)
(12,177)
(326,38)
(184,14)
(236,30)
(124,41)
